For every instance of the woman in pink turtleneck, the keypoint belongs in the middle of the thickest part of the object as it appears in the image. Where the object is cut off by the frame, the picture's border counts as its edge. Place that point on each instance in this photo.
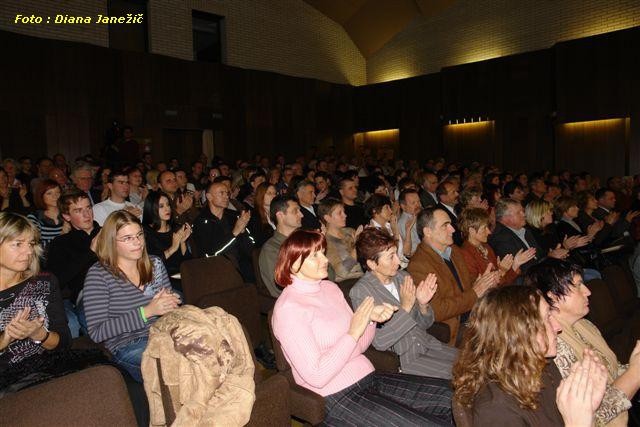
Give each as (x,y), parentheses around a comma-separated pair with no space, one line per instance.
(323,340)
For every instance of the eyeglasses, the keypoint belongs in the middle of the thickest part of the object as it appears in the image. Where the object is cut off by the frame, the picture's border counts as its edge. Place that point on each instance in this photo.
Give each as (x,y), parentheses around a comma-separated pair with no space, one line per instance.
(130,239)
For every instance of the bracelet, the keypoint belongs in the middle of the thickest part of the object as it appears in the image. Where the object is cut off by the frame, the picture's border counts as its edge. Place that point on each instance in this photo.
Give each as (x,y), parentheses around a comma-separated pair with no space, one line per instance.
(46,337)
(141,311)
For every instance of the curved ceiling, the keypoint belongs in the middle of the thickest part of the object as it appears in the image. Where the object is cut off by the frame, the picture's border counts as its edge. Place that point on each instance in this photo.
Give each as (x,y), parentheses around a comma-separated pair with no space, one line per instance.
(372,23)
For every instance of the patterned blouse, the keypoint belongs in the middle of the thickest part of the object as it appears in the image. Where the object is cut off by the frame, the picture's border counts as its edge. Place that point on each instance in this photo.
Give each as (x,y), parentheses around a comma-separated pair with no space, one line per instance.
(615,401)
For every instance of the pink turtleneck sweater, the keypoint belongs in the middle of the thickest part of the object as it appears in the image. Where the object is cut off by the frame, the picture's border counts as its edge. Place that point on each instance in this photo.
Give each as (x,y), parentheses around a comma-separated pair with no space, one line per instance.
(311,320)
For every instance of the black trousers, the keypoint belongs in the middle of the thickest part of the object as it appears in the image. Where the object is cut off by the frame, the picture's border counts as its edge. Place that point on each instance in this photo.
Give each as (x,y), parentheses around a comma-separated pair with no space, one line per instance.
(391,400)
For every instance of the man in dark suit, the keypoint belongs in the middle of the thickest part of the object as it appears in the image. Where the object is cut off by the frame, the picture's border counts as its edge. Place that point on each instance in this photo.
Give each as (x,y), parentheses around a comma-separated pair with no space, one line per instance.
(448,197)
(428,188)
(82,178)
(620,225)
(306,195)
(510,235)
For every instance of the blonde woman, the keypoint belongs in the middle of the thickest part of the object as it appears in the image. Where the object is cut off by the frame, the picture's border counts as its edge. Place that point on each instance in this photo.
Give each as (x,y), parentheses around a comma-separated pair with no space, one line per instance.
(125,291)
(32,319)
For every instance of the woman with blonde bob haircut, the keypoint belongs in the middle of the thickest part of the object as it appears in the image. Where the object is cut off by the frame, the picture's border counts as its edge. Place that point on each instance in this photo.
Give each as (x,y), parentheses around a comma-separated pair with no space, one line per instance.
(125,291)
(503,374)
(32,319)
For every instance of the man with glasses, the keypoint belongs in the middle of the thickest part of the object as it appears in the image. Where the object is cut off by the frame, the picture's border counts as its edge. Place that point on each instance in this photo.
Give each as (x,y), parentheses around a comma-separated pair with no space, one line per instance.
(118,183)
(82,178)
(221,231)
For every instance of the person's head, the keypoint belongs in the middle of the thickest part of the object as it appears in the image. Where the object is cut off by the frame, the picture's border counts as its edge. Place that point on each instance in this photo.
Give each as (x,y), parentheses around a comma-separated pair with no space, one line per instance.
(474,224)
(9,166)
(196,168)
(47,194)
(118,183)
(152,179)
(322,181)
(43,166)
(19,245)
(447,193)
(510,212)
(560,282)
(127,132)
(586,201)
(348,190)
(224,169)
(379,208)
(181,178)
(434,228)
(256,179)
(514,190)
(157,210)
(265,193)
(553,192)
(274,175)
(429,182)
(214,173)
(378,252)
(288,174)
(304,191)
(470,198)
(539,214)
(580,184)
(167,182)
(121,241)
(218,195)
(410,201)
(285,213)
(82,177)
(537,185)
(135,177)
(509,335)
(331,213)
(606,198)
(25,164)
(302,255)
(75,208)
(566,207)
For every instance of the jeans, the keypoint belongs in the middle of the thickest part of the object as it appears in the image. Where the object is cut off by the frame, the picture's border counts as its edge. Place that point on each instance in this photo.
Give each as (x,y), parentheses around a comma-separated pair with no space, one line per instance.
(75,319)
(129,357)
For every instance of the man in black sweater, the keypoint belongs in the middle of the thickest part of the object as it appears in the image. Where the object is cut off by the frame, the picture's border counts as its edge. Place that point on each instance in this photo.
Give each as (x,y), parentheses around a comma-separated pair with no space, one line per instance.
(71,255)
(221,231)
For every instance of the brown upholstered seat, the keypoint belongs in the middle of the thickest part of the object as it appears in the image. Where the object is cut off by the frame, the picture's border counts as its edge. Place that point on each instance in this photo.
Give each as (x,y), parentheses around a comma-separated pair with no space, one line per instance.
(96,396)
(265,298)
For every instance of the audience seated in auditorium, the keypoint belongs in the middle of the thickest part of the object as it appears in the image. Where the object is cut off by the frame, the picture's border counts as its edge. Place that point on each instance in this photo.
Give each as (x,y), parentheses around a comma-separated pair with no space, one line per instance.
(182,204)
(163,238)
(457,289)
(323,341)
(72,254)
(125,291)
(46,217)
(341,240)
(606,211)
(221,231)
(448,198)
(118,185)
(260,225)
(587,204)
(405,333)
(507,379)
(561,284)
(410,205)
(474,226)
(428,187)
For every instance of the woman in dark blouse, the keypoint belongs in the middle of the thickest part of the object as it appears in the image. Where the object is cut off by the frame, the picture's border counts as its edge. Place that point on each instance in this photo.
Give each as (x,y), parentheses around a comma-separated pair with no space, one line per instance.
(33,325)
(161,237)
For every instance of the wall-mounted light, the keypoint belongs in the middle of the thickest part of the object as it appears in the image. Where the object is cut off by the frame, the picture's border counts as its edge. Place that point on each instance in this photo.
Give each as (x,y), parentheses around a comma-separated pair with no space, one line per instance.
(472,121)
(601,122)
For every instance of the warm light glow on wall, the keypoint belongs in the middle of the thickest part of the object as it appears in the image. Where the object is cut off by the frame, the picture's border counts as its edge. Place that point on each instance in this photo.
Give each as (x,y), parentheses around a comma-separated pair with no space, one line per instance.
(469,123)
(385,133)
(586,123)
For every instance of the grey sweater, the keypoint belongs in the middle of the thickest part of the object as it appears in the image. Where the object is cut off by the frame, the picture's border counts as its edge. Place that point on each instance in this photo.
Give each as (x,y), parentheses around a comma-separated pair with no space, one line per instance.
(111,305)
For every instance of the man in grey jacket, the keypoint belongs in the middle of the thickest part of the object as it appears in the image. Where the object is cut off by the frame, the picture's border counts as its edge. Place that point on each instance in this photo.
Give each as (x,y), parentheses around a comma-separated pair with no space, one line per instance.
(405,333)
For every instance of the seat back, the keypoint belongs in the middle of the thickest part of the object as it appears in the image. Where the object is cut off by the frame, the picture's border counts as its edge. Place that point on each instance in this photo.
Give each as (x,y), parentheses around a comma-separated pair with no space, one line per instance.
(621,288)
(204,276)
(255,258)
(281,362)
(97,395)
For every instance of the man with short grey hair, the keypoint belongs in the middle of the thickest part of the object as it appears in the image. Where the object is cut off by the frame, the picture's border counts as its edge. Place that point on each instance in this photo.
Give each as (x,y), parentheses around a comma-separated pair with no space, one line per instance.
(82,178)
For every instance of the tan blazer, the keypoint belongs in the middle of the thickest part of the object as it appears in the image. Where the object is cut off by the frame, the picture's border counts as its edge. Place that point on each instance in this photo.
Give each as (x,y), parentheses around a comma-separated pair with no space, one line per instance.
(449,302)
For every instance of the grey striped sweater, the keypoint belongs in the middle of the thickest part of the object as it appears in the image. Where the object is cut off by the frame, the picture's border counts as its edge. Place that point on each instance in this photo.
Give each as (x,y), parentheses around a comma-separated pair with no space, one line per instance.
(111,305)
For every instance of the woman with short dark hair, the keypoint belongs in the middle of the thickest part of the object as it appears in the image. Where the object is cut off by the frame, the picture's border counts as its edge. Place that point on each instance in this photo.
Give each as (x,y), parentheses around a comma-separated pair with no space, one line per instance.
(323,341)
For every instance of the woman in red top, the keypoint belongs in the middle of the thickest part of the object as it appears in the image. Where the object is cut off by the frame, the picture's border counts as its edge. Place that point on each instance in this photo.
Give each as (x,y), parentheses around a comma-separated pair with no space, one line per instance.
(474,224)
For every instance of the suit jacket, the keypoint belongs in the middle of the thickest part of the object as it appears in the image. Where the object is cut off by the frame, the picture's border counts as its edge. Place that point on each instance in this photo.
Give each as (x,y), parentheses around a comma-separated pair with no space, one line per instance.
(309,220)
(602,237)
(457,235)
(405,333)
(618,229)
(504,241)
(427,199)
(449,302)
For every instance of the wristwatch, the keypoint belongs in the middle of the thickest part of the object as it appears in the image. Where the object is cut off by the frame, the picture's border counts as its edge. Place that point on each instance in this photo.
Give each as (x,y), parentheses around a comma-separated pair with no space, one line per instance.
(39,342)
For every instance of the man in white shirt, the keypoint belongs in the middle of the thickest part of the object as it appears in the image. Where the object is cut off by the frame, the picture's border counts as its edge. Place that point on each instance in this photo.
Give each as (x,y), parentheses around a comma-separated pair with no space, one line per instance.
(118,184)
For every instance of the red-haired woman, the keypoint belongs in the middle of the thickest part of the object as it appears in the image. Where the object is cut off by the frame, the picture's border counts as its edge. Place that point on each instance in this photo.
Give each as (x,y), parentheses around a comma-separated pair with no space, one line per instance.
(47,218)
(323,341)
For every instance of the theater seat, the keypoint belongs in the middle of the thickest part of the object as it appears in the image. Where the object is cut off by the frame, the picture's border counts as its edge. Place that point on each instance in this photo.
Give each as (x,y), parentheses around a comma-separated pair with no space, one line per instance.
(96,396)
(265,298)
